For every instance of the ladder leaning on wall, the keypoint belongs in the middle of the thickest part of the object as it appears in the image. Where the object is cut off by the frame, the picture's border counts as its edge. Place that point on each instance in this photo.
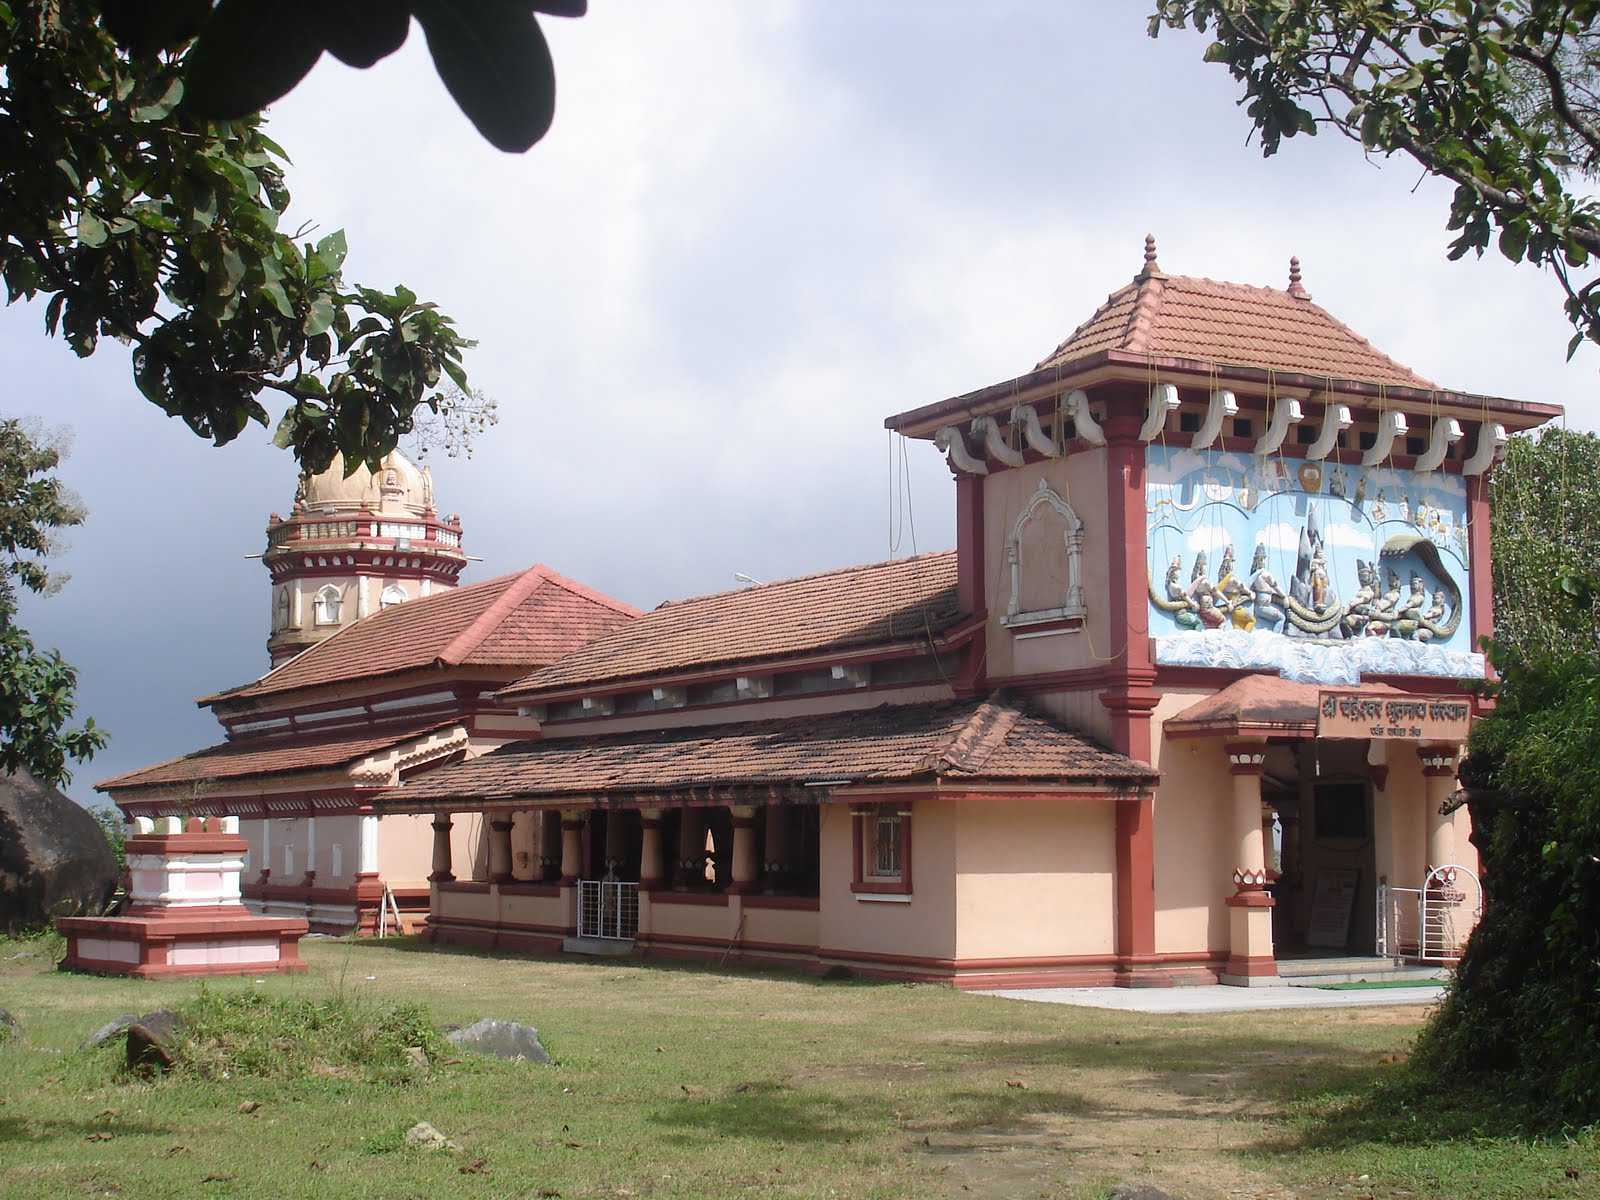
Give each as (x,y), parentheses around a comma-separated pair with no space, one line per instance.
(388,904)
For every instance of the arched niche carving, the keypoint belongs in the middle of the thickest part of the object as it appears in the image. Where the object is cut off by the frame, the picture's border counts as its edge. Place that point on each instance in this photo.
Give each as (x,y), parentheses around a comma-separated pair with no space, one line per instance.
(1044,557)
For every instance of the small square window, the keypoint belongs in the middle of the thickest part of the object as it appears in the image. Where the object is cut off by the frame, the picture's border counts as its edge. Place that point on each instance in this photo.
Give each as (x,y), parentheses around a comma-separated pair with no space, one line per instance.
(882,851)
(885,854)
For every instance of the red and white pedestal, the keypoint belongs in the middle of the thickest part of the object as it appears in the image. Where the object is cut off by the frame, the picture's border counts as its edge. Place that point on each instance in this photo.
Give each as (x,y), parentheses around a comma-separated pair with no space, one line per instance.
(185,916)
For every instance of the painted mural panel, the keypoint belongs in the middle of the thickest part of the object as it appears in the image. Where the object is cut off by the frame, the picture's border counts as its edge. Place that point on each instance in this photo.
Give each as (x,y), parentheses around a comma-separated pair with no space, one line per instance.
(1321,571)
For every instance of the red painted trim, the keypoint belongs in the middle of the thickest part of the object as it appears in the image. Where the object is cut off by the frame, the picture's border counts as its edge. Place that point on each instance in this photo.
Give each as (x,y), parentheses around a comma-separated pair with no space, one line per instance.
(1250,898)
(970,543)
(1260,967)
(801,903)
(711,899)
(1479,558)
(462,886)
(524,888)
(186,843)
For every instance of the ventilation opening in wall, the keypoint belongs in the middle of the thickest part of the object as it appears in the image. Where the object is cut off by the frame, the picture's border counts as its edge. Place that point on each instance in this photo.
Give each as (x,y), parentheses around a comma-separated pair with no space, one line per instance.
(1304,435)
(1188,422)
(1415,446)
(1368,439)
(1243,427)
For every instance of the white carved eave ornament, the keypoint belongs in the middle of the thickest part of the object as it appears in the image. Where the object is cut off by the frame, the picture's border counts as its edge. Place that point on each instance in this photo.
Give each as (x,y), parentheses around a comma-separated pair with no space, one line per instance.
(386,766)
(1072,601)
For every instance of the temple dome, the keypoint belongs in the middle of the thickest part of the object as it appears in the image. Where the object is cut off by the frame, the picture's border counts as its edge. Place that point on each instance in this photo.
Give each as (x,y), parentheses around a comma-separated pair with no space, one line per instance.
(400,485)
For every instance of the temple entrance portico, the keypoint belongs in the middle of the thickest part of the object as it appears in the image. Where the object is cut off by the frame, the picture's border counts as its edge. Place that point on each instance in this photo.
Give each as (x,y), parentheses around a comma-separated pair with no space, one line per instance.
(1335,846)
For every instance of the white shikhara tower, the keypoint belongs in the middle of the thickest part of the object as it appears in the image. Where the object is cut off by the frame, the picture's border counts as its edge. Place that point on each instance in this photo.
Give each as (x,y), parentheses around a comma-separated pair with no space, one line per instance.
(354,544)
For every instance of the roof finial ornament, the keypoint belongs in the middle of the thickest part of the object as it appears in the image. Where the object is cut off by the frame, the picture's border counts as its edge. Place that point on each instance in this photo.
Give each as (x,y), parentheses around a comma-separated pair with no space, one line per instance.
(1151,266)
(1296,288)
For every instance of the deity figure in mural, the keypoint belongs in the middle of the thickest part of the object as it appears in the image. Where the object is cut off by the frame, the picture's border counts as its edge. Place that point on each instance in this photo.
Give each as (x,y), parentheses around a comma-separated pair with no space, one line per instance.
(1360,497)
(1405,508)
(1321,584)
(1408,615)
(1209,615)
(1360,610)
(1178,602)
(1386,610)
(1380,506)
(1199,578)
(1434,616)
(1336,483)
(1233,593)
(1268,594)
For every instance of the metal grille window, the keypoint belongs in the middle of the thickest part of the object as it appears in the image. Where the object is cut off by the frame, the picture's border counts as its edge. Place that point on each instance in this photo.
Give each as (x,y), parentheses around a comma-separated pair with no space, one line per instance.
(886,845)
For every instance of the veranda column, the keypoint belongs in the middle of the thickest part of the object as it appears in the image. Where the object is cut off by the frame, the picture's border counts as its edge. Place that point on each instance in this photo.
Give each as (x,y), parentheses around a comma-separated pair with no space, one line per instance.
(1439,780)
(266,848)
(745,866)
(1250,957)
(441,849)
(571,848)
(651,875)
(500,848)
(311,851)
(368,885)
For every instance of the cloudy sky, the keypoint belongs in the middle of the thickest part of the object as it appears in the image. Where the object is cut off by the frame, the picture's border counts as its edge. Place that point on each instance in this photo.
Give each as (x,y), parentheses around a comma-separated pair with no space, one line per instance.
(755,230)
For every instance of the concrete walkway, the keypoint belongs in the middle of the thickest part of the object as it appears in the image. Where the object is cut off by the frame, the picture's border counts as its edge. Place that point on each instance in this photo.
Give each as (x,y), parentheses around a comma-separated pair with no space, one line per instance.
(1219,999)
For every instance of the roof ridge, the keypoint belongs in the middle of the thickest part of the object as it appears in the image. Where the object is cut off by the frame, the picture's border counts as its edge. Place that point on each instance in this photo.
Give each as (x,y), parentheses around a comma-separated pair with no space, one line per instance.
(1142,316)
(588,593)
(981,734)
(746,590)
(485,623)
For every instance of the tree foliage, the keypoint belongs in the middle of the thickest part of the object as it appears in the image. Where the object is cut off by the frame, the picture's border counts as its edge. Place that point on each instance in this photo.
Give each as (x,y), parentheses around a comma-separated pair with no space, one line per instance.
(1544,501)
(490,54)
(1498,96)
(134,219)
(36,686)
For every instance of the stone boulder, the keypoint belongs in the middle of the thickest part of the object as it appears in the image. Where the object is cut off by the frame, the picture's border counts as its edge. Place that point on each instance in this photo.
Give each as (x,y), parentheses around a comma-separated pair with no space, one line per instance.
(152,1040)
(54,857)
(112,1029)
(9,1026)
(500,1039)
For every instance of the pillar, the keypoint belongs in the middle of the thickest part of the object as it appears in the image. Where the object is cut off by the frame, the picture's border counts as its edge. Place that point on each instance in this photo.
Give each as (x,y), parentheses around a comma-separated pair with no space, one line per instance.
(367,846)
(311,851)
(691,848)
(1250,958)
(1439,780)
(368,885)
(441,849)
(746,869)
(651,868)
(500,848)
(266,848)
(571,848)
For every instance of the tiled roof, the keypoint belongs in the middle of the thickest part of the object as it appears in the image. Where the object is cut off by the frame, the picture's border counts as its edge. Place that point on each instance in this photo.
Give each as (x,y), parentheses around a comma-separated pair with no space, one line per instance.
(247,757)
(995,739)
(1178,316)
(1259,702)
(524,620)
(883,602)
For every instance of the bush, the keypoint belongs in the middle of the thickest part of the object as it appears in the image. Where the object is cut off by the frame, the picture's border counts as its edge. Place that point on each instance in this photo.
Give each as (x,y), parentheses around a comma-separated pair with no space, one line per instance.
(247,1034)
(1523,1015)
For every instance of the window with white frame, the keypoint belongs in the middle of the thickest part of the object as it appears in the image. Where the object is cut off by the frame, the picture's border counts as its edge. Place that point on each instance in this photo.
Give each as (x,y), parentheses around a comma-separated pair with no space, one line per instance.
(328,604)
(392,595)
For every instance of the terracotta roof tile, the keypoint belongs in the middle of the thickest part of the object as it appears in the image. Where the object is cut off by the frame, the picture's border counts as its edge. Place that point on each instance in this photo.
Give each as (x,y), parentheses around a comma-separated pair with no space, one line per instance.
(883,602)
(248,757)
(995,739)
(524,620)
(1179,316)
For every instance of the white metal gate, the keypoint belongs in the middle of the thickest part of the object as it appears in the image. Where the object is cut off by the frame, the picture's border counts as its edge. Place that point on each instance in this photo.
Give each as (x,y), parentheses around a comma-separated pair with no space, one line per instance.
(608,908)
(1430,923)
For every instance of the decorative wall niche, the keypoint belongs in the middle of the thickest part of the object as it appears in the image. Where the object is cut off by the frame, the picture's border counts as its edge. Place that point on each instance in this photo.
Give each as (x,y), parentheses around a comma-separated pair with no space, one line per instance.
(1044,555)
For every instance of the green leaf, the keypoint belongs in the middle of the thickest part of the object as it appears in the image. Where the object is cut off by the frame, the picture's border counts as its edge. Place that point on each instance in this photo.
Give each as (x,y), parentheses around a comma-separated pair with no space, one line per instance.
(91,230)
(248,55)
(159,110)
(273,290)
(495,63)
(319,318)
(332,250)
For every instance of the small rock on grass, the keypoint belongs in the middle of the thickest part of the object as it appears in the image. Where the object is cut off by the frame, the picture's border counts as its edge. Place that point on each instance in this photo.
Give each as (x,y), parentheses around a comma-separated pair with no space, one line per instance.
(501,1039)
(1138,1191)
(424,1136)
(152,1038)
(111,1029)
(9,1026)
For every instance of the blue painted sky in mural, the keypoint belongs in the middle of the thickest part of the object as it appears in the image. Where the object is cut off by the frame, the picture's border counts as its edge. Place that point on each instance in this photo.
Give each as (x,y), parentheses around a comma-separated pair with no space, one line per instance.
(1204,501)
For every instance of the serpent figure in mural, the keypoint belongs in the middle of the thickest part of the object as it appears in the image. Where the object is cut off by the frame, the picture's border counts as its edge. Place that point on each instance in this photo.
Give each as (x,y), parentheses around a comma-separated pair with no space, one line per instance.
(1309,606)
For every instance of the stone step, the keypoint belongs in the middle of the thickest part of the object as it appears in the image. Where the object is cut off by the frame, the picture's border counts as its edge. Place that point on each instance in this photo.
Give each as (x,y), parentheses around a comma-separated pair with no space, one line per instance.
(598,947)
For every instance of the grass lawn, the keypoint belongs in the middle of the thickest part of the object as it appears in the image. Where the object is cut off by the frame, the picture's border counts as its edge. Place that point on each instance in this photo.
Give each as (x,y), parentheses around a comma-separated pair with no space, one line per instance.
(685,1082)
